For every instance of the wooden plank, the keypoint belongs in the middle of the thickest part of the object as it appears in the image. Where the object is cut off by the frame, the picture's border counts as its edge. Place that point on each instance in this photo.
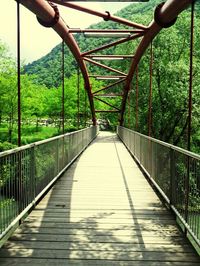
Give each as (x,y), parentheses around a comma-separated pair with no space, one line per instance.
(106,226)
(137,214)
(102,211)
(134,239)
(96,232)
(102,219)
(97,255)
(61,209)
(62,262)
(98,246)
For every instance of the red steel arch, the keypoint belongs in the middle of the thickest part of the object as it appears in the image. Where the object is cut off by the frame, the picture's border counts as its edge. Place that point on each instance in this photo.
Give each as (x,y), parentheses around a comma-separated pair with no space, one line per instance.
(165,16)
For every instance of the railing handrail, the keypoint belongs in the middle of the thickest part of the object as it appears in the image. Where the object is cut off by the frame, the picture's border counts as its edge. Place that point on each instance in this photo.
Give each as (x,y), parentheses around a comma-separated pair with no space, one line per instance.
(37,143)
(28,172)
(174,172)
(171,146)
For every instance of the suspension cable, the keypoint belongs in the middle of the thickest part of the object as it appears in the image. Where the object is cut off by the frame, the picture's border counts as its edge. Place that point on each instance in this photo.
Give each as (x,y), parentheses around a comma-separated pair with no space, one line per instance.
(129,108)
(18,74)
(85,107)
(63,88)
(190,78)
(78,97)
(136,99)
(150,91)
(187,179)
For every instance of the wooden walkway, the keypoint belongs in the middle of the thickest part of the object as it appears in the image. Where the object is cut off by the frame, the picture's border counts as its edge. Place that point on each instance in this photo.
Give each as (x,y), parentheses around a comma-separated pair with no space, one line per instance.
(102,211)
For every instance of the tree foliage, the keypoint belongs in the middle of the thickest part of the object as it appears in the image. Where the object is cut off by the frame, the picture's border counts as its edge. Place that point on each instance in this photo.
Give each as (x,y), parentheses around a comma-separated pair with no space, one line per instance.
(42,82)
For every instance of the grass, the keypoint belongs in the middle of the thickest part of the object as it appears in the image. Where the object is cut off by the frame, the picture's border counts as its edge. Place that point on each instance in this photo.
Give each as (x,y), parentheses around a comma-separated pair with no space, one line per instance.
(29,134)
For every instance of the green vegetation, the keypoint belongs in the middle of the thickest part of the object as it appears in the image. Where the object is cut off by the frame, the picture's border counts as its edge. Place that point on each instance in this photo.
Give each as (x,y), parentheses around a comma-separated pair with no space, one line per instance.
(41,107)
(41,95)
(41,85)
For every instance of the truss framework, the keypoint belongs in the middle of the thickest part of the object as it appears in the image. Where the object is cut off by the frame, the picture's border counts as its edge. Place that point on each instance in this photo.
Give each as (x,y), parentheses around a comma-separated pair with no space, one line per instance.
(165,16)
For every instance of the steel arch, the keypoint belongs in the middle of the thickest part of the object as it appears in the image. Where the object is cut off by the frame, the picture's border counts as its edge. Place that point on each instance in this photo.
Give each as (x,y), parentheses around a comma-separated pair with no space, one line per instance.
(165,15)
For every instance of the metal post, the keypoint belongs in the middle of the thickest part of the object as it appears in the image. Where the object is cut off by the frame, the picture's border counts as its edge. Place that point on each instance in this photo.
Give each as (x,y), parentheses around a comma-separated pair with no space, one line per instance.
(85,108)
(150,92)
(63,102)
(78,97)
(19,177)
(136,104)
(63,88)
(18,73)
(172,192)
(129,126)
(190,79)
(187,181)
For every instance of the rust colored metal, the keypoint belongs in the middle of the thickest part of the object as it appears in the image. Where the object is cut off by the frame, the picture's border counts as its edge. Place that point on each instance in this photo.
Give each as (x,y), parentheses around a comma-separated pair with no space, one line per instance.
(169,11)
(104,66)
(110,56)
(78,97)
(85,108)
(187,179)
(18,74)
(106,77)
(190,79)
(111,95)
(165,16)
(54,21)
(71,30)
(107,111)
(150,91)
(136,99)
(123,40)
(63,88)
(129,109)
(109,86)
(107,103)
(106,15)
(45,12)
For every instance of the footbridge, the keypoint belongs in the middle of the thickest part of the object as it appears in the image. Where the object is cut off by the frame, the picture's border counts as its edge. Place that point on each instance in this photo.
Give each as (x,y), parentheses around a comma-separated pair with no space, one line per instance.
(101,198)
(113,205)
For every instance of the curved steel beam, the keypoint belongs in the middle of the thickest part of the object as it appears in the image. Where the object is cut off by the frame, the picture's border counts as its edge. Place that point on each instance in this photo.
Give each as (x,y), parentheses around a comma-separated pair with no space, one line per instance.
(46,13)
(105,15)
(167,13)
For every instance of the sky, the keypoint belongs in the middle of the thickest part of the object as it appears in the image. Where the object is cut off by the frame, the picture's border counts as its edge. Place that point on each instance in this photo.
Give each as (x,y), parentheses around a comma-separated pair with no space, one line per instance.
(37,41)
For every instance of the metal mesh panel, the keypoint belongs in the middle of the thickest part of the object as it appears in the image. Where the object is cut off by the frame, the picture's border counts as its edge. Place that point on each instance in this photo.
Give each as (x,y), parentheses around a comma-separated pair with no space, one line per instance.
(180,173)
(176,173)
(162,167)
(26,171)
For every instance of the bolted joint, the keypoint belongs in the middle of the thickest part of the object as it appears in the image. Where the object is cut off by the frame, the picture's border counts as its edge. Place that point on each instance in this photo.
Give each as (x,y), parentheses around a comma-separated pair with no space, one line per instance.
(55,19)
(108,16)
(158,19)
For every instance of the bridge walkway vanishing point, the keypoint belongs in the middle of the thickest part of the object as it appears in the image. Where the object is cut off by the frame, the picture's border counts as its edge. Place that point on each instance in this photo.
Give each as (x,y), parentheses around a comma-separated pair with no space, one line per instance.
(102,211)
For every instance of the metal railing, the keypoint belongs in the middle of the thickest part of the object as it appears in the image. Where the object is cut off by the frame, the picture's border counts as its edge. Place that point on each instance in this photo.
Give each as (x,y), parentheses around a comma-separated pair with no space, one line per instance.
(27,172)
(174,171)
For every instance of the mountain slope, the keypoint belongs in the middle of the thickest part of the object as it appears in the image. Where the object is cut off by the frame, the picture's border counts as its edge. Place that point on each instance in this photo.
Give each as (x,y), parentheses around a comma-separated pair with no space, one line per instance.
(47,69)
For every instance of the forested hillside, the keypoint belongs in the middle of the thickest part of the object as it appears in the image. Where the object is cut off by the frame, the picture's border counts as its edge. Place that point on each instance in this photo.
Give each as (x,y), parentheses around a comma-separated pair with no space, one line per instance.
(170,73)
(41,84)
(47,69)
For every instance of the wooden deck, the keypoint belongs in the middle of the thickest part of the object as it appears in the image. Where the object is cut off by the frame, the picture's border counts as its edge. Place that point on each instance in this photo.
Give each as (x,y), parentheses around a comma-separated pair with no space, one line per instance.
(102,211)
